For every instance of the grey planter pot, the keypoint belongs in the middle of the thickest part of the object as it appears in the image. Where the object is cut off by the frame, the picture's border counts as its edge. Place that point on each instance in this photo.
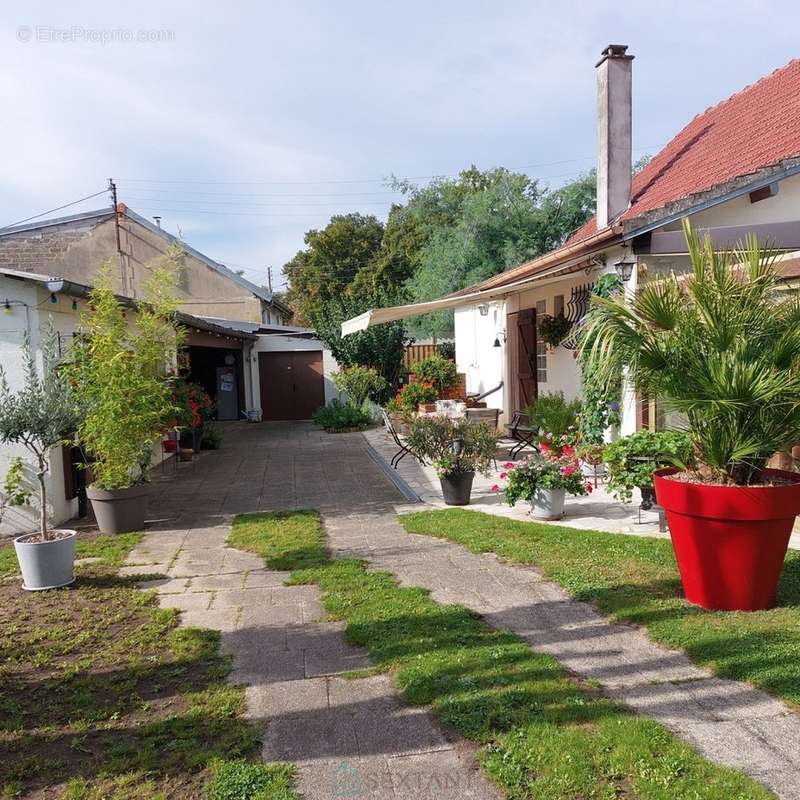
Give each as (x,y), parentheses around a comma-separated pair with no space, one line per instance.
(457,488)
(548,503)
(46,565)
(119,510)
(593,471)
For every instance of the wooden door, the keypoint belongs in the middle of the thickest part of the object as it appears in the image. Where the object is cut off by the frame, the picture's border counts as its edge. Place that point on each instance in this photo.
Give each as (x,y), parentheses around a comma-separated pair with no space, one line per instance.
(291,383)
(526,357)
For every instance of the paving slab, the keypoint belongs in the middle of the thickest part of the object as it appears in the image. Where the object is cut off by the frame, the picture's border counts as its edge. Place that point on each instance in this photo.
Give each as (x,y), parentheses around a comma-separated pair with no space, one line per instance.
(341,733)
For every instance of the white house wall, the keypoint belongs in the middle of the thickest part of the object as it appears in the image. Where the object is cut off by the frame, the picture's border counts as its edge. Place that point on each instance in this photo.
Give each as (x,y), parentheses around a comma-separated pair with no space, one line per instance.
(31,311)
(476,356)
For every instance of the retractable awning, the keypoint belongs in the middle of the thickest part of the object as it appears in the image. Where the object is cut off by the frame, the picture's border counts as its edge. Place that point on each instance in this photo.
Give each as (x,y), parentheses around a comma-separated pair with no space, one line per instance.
(377,316)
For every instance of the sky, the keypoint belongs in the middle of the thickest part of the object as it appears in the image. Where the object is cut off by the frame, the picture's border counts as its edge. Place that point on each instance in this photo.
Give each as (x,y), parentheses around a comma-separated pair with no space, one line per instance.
(244,124)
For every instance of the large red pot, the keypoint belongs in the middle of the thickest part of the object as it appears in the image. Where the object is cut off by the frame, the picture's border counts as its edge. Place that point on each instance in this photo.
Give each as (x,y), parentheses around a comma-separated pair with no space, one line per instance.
(730,541)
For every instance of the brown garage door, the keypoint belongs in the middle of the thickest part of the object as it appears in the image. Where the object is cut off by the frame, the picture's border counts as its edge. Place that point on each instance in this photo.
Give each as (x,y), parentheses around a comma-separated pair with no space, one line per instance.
(292,384)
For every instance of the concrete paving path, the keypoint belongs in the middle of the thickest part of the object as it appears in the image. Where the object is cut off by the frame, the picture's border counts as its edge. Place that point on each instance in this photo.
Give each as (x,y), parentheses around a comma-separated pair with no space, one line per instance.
(349,737)
(356,735)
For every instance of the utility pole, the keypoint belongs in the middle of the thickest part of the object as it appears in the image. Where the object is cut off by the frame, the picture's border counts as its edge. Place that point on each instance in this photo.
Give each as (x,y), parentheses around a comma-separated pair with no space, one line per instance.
(269,279)
(112,187)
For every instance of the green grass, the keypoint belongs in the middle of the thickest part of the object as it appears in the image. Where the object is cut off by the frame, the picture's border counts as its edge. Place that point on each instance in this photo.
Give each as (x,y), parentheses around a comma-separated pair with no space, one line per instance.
(635,579)
(111,548)
(103,697)
(542,735)
(286,540)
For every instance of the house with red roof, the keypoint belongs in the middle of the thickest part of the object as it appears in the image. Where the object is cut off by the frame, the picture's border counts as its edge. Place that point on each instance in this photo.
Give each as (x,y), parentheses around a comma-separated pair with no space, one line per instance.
(732,170)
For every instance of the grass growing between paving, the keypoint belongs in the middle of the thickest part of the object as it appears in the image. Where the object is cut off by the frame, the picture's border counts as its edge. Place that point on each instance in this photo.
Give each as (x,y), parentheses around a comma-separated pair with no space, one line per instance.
(635,579)
(103,697)
(543,736)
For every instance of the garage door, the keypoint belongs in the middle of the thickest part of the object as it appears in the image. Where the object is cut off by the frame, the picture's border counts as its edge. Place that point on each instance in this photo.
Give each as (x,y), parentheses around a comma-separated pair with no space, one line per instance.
(292,384)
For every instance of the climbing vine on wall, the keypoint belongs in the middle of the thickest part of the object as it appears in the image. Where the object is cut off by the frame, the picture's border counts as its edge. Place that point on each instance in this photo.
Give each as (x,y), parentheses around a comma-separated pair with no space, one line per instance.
(600,408)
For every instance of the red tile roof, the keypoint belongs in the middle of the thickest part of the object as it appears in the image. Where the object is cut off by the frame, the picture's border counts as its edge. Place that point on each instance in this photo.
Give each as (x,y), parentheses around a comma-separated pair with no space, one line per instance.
(755,128)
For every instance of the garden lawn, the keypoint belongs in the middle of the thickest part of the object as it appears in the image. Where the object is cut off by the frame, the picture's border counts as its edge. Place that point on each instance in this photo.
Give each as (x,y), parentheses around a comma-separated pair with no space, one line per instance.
(103,697)
(542,734)
(635,579)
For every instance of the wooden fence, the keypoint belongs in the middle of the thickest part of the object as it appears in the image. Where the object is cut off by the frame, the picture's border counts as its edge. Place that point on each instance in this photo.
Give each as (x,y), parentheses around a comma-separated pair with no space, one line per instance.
(416,352)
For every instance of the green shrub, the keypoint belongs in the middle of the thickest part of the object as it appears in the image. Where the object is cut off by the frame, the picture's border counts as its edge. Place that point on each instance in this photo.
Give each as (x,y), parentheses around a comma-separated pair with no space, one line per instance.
(452,446)
(338,416)
(447,350)
(212,437)
(359,383)
(632,459)
(439,372)
(412,395)
(551,413)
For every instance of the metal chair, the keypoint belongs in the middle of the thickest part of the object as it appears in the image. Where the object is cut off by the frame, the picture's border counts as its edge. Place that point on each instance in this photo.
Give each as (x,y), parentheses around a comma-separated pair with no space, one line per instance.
(520,430)
(404,449)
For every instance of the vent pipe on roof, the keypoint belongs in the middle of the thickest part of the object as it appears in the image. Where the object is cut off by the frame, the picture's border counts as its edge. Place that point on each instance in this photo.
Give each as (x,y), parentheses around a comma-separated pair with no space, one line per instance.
(157,220)
(614,159)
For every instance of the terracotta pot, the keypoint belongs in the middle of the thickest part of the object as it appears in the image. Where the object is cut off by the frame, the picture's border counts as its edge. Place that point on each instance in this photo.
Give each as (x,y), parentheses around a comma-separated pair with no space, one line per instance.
(730,541)
(427,408)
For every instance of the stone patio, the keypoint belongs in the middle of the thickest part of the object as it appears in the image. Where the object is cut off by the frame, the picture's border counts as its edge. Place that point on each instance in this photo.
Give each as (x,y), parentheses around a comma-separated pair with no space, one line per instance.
(358,733)
(598,511)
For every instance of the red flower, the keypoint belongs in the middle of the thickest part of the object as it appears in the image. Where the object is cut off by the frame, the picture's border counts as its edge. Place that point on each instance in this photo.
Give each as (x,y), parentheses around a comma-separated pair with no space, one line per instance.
(568,451)
(589,488)
(495,488)
(503,476)
(544,447)
(567,471)
(509,465)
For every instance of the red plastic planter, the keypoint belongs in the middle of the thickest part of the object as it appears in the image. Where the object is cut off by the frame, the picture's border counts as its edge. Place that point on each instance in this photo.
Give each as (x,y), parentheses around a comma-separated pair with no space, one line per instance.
(730,541)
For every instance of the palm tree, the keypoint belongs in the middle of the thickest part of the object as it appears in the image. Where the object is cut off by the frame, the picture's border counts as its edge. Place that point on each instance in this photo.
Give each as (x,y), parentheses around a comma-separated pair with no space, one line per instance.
(720,345)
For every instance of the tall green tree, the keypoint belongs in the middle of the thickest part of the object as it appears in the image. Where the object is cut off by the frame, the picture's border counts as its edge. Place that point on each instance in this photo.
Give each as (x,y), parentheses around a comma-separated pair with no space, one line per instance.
(327,266)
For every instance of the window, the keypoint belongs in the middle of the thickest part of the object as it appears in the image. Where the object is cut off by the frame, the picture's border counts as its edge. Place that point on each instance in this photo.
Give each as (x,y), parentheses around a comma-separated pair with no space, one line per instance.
(541,347)
(558,305)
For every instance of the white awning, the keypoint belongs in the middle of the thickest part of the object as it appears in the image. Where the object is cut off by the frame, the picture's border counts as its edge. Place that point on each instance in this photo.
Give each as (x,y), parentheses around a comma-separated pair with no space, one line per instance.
(377,316)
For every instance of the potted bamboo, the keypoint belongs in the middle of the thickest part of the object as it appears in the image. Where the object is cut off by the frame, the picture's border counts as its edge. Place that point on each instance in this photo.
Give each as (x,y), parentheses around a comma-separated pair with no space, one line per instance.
(39,416)
(119,370)
(720,346)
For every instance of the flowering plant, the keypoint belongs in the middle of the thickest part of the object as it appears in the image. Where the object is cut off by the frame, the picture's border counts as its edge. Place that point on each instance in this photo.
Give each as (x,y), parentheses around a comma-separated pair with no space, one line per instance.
(548,470)
(192,403)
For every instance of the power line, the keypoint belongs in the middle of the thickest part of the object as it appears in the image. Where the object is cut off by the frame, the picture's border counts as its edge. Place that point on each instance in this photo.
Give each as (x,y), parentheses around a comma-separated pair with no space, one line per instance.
(350,180)
(255,205)
(269,195)
(53,210)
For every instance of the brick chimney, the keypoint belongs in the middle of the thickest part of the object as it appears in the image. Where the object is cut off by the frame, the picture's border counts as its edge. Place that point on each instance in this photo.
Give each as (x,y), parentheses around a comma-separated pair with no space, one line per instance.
(613,133)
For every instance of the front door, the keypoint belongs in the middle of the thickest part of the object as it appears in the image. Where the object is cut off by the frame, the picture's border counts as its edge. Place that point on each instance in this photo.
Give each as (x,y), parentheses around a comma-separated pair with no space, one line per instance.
(291,383)
(227,393)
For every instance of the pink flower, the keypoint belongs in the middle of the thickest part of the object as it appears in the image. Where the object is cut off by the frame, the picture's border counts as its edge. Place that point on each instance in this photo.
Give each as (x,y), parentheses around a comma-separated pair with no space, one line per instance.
(495,488)
(503,476)
(509,465)
(589,488)
(567,471)
(568,451)
(544,447)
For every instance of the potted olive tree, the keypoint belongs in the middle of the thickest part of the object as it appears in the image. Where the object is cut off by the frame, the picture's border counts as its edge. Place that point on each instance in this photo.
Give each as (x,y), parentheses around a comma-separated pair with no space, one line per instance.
(119,367)
(720,346)
(457,450)
(39,416)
